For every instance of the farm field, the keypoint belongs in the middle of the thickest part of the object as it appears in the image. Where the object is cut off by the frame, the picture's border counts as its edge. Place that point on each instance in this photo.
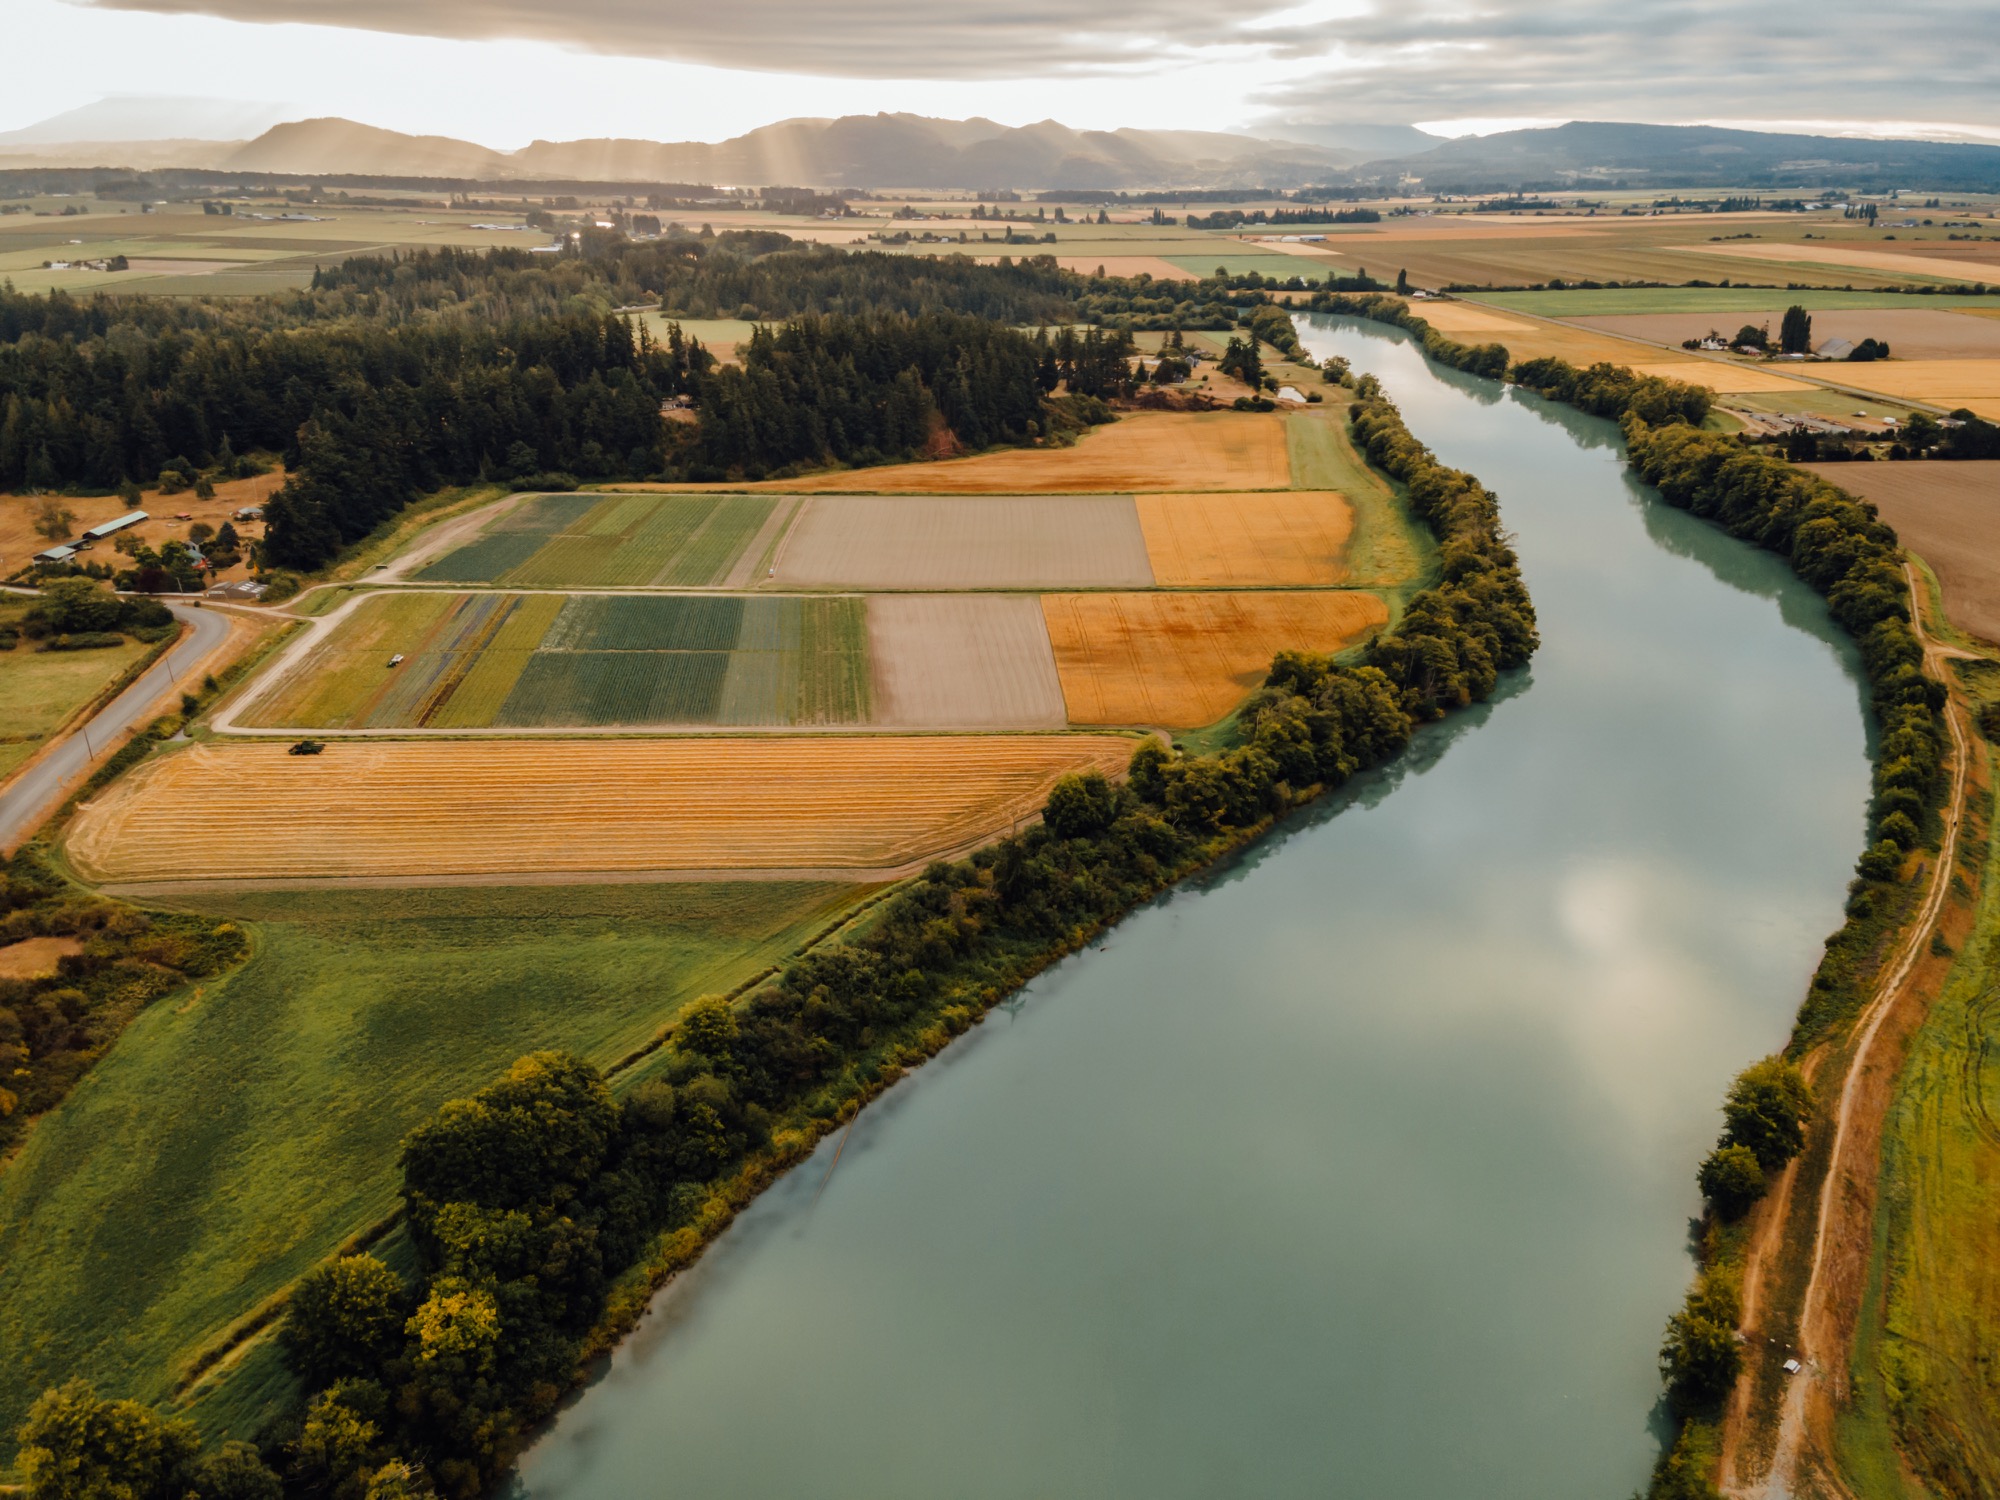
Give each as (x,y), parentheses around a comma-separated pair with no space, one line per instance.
(609,541)
(1945,263)
(1528,338)
(257,1119)
(39,690)
(1730,300)
(1141,451)
(934,542)
(963,661)
(391,809)
(1947,383)
(1386,546)
(19,541)
(1949,515)
(1911,333)
(1261,538)
(1185,660)
(493,660)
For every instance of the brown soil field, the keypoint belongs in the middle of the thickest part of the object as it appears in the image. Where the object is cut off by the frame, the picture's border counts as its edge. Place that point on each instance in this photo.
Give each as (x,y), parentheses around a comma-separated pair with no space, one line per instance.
(454,808)
(31,958)
(1126,265)
(1915,333)
(1948,261)
(981,541)
(1293,537)
(1949,515)
(1950,383)
(1185,660)
(19,541)
(1527,338)
(963,661)
(1147,450)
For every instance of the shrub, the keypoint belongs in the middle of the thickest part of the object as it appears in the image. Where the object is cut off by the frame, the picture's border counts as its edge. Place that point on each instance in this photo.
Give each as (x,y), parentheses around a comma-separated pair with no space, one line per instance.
(1732,1179)
(1767,1110)
(343,1320)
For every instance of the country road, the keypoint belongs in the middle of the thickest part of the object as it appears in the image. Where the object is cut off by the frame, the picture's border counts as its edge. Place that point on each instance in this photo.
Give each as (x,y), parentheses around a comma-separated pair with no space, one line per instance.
(40,788)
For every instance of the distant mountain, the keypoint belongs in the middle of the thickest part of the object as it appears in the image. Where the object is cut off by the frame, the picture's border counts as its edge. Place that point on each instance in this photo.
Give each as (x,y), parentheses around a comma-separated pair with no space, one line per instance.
(1366,142)
(1585,152)
(161,119)
(333,146)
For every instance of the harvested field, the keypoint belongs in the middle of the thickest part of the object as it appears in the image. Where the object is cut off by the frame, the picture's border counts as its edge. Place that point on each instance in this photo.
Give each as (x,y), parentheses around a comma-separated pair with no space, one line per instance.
(1949,515)
(504,808)
(1015,541)
(482,661)
(1945,266)
(1126,265)
(609,541)
(1950,383)
(1526,338)
(1185,660)
(1911,333)
(1264,537)
(1148,450)
(963,661)
(1718,375)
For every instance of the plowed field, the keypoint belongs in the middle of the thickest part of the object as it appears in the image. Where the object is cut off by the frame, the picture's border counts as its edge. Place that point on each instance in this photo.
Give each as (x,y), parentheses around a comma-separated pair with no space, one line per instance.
(1148,450)
(1295,537)
(963,661)
(385,809)
(1184,660)
(972,541)
(1949,515)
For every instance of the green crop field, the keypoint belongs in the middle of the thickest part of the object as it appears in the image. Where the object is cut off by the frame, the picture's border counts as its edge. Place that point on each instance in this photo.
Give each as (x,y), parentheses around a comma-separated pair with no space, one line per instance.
(610,541)
(493,660)
(236,1135)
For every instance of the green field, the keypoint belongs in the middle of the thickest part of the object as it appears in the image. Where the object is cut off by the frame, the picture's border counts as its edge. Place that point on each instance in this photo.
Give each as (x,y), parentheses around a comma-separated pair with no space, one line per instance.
(610,541)
(1387,547)
(40,689)
(1671,299)
(493,660)
(1238,262)
(235,1136)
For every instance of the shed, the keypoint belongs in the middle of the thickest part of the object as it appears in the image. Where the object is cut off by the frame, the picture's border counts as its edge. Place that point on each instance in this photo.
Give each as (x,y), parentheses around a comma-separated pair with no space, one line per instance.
(1836,349)
(56,555)
(116,524)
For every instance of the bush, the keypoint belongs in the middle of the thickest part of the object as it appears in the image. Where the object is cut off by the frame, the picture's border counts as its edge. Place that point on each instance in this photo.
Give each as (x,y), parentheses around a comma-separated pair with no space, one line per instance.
(343,1320)
(1767,1110)
(1701,1355)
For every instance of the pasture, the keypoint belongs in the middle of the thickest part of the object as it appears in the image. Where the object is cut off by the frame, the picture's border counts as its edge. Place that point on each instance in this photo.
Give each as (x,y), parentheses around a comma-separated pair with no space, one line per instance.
(986,541)
(253,1123)
(1186,660)
(493,660)
(963,661)
(1386,546)
(40,690)
(1148,450)
(1257,539)
(614,540)
(386,810)
(1949,515)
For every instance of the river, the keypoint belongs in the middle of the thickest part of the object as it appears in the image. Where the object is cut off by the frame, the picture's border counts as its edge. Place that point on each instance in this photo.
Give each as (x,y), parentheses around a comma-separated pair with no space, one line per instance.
(1362,1167)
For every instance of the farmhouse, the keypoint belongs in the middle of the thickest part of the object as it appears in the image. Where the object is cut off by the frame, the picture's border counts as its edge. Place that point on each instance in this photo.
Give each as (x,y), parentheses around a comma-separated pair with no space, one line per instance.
(116,524)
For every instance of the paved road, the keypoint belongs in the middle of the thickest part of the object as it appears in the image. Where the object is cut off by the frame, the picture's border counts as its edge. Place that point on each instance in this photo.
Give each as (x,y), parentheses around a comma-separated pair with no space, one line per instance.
(39,790)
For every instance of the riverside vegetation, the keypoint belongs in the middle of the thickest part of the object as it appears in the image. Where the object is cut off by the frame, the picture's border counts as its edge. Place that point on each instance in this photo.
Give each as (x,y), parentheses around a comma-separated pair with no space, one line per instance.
(1841,548)
(543,1210)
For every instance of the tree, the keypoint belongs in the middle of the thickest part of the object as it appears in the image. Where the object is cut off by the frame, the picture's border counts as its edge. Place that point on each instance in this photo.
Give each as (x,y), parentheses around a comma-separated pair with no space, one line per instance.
(54,521)
(1752,336)
(75,1446)
(77,604)
(235,1471)
(1732,1179)
(343,1320)
(1767,1110)
(1081,807)
(1795,331)
(1402,283)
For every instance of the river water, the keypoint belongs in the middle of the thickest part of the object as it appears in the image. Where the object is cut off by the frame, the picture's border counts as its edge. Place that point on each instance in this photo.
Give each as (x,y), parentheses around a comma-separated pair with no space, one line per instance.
(1362,1167)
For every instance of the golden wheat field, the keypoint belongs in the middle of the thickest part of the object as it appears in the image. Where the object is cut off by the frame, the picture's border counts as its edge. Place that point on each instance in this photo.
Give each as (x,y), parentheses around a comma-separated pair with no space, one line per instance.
(1264,537)
(1147,450)
(401,808)
(1184,660)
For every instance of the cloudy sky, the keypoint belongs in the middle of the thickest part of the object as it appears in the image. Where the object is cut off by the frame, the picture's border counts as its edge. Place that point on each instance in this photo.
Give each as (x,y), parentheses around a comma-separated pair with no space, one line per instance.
(504,72)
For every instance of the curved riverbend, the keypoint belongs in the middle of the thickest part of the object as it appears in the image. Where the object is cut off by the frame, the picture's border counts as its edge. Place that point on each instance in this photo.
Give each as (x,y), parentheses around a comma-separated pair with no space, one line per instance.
(1362,1166)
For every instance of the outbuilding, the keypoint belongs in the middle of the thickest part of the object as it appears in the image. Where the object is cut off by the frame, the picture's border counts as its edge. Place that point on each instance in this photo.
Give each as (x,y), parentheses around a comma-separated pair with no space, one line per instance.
(116,524)
(56,555)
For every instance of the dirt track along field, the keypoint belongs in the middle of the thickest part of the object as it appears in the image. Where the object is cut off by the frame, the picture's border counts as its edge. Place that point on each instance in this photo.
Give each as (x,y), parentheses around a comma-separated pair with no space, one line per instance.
(1264,537)
(1949,515)
(1224,450)
(916,541)
(386,809)
(963,661)
(1185,660)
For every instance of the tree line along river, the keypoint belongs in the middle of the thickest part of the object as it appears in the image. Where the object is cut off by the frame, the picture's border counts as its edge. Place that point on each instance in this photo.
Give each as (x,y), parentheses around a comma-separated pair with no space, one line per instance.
(1362,1166)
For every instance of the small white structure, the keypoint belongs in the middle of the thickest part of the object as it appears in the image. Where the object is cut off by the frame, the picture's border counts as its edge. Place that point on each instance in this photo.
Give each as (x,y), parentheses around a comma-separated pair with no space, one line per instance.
(1289,395)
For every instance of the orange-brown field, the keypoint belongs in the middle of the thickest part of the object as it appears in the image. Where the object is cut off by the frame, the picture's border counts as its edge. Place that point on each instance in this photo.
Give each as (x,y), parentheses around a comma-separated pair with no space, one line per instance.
(1949,383)
(1184,660)
(1949,515)
(1287,537)
(19,540)
(1148,450)
(496,808)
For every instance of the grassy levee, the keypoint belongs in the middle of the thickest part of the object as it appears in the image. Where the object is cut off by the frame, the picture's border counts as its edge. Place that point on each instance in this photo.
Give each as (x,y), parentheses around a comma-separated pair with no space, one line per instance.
(1388,547)
(240,1132)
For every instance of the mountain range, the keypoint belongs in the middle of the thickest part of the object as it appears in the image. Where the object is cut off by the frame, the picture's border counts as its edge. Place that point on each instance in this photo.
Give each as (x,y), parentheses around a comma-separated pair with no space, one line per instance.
(888,151)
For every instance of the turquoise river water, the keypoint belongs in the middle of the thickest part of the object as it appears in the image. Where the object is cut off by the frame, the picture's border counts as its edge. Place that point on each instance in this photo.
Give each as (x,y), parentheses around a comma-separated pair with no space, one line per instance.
(1362,1167)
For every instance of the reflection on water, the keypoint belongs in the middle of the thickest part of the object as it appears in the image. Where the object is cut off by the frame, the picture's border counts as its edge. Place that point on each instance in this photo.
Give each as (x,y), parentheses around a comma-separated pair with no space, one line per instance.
(1362,1166)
